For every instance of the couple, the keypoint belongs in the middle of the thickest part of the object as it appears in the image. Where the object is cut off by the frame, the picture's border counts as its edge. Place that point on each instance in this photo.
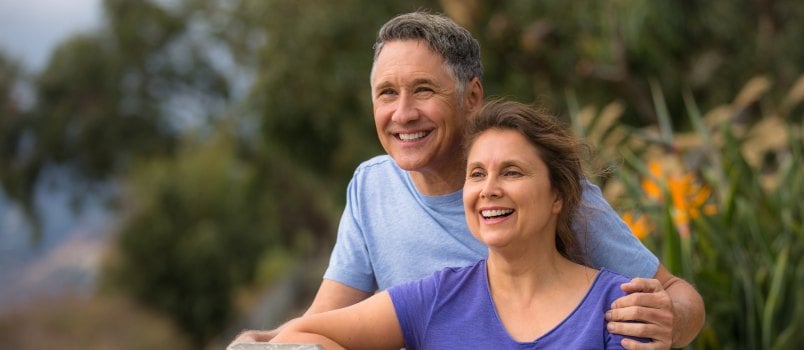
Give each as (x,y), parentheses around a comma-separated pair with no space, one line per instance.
(404,215)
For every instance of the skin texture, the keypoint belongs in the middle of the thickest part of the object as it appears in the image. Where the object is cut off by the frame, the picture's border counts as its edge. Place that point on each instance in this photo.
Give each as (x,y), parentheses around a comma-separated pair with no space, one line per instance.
(534,288)
(505,174)
(659,303)
(371,324)
(512,208)
(413,93)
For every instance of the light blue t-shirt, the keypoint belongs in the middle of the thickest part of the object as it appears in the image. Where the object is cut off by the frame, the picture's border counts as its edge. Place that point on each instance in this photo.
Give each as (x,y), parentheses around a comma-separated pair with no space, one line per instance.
(390,233)
(453,309)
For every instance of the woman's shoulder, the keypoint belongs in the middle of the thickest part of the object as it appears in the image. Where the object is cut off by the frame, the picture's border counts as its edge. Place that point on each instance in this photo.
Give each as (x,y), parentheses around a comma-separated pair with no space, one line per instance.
(461,272)
(613,276)
(608,282)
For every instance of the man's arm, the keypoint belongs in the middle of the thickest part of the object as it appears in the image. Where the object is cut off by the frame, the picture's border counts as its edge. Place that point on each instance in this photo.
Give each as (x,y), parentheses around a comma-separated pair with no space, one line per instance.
(669,310)
(331,295)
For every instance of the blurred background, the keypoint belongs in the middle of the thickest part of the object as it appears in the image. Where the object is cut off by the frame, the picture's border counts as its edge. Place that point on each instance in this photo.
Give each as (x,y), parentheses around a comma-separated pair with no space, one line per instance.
(173,171)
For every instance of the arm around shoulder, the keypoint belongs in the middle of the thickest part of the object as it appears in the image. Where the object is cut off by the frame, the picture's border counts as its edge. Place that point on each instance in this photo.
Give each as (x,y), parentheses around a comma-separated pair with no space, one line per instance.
(688,307)
(607,240)
(668,310)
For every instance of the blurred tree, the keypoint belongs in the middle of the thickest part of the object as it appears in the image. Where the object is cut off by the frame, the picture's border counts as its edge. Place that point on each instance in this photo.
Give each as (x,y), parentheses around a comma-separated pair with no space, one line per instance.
(611,50)
(194,229)
(311,89)
(234,125)
(14,174)
(104,99)
(127,92)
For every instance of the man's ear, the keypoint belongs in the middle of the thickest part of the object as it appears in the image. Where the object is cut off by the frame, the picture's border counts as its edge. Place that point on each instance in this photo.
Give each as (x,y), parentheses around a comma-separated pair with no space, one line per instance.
(474,95)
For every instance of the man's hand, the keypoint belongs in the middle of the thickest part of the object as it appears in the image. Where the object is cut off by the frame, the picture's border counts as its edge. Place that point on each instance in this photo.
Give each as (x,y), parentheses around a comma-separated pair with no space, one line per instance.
(650,305)
(252,336)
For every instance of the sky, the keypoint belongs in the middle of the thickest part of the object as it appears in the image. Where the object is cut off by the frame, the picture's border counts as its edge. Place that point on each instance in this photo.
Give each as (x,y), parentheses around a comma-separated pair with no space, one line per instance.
(30,29)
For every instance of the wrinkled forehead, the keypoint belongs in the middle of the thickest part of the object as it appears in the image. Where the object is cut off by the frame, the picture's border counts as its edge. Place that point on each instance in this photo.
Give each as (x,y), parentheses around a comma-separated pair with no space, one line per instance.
(414,52)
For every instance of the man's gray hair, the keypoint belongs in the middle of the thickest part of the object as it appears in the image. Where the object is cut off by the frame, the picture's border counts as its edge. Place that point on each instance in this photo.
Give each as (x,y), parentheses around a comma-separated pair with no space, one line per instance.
(459,50)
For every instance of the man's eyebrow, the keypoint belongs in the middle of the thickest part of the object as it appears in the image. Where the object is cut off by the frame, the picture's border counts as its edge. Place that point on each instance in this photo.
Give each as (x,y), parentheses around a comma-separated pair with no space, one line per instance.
(421,81)
(382,85)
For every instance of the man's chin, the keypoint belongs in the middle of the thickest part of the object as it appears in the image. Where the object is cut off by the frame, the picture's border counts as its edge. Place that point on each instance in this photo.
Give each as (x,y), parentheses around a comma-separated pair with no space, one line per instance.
(408,163)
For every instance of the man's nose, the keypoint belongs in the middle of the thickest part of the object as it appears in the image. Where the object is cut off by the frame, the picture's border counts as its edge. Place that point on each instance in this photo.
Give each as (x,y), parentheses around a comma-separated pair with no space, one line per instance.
(406,110)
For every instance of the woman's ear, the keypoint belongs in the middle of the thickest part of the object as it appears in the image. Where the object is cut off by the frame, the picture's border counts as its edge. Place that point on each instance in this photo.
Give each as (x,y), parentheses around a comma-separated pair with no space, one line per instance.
(558,203)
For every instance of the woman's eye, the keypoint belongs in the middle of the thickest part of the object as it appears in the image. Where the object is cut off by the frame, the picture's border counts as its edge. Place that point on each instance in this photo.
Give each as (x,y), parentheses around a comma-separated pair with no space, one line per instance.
(511,173)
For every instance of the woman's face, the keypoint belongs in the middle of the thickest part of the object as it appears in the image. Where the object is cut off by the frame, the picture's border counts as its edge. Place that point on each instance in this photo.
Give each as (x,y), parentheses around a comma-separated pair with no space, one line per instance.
(507,195)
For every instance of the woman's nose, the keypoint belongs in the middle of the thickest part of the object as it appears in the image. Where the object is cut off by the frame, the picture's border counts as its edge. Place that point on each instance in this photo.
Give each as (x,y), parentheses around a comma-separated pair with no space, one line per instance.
(490,189)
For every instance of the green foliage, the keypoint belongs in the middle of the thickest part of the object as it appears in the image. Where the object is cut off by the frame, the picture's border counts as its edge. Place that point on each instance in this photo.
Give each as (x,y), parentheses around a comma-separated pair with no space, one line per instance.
(535,50)
(761,229)
(17,179)
(311,89)
(202,224)
(196,230)
(104,99)
(744,253)
(234,125)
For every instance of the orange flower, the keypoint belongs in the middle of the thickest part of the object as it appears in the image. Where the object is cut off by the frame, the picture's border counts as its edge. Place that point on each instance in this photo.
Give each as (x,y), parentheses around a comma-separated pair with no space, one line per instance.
(639,226)
(650,185)
(687,197)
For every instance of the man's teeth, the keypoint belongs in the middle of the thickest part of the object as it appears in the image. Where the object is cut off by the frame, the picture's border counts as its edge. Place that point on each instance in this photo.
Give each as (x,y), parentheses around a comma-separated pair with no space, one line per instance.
(496,212)
(413,136)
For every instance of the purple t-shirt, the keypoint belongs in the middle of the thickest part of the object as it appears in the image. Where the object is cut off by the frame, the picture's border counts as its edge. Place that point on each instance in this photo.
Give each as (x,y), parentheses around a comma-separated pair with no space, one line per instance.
(453,309)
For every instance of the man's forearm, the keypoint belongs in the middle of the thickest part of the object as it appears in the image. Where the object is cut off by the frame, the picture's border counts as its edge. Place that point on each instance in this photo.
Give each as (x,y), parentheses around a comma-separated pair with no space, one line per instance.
(688,311)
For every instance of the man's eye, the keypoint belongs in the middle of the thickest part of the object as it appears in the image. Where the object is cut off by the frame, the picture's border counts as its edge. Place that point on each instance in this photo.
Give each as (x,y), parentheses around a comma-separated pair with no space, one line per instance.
(386,92)
(511,173)
(475,174)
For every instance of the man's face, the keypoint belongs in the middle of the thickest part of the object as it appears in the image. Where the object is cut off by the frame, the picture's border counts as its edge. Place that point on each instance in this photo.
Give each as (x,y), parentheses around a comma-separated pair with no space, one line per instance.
(416,109)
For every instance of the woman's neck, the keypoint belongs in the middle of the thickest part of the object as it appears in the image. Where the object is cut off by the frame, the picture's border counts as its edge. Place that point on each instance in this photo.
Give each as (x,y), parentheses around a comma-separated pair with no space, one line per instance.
(534,295)
(529,271)
(529,274)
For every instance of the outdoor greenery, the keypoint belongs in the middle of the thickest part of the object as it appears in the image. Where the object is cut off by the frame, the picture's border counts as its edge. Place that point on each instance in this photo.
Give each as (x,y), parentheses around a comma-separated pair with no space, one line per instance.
(227,129)
(721,205)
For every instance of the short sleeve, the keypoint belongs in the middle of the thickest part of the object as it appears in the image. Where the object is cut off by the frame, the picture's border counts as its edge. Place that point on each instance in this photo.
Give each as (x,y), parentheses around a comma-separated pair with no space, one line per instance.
(608,241)
(349,262)
(413,302)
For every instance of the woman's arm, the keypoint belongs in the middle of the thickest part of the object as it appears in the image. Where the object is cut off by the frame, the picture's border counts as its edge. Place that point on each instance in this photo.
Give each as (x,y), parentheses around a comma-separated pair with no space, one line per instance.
(370,324)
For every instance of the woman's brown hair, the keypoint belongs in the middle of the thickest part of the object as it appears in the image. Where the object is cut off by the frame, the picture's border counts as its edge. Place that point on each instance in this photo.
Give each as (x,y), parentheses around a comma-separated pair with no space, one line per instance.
(559,150)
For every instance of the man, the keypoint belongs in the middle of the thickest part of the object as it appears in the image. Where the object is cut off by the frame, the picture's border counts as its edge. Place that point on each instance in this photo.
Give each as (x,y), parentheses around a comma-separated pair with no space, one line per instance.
(404,216)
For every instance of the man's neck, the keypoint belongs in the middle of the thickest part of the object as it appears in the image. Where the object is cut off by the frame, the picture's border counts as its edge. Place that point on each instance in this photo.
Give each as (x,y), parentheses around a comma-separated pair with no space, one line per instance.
(439,182)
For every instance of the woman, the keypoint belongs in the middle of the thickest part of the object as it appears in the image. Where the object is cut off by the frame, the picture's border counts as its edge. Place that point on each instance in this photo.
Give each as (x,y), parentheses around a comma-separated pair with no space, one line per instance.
(522,182)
